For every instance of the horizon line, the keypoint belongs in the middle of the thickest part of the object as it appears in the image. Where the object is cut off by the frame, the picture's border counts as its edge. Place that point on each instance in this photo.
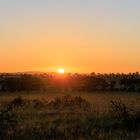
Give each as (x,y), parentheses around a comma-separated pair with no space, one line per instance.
(32,72)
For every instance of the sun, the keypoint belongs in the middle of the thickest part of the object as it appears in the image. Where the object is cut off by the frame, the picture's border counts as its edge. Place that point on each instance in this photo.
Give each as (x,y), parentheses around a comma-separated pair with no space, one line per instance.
(61,71)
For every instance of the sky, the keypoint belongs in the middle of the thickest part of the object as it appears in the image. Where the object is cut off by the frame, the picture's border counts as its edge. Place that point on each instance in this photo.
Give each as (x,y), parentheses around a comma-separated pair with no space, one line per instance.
(77,35)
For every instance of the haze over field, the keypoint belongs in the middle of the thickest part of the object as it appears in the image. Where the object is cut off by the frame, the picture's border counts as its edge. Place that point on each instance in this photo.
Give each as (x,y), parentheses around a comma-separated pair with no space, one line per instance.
(77,35)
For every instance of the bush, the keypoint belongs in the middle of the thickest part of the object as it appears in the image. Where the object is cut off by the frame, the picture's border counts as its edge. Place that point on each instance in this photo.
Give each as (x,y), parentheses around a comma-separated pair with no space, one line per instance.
(126,117)
(70,103)
(119,110)
(8,121)
(18,102)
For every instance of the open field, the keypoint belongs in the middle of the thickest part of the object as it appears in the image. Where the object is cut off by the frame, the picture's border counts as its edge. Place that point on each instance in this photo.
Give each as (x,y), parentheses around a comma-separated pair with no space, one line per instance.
(72,116)
(99,100)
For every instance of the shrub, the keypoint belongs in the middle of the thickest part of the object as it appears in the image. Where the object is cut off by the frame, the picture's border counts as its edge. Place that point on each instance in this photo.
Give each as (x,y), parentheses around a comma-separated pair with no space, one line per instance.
(8,121)
(119,110)
(18,102)
(70,103)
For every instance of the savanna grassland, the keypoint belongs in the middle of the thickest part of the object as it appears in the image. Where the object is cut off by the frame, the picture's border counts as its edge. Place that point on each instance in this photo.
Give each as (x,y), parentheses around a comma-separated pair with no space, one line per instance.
(69,116)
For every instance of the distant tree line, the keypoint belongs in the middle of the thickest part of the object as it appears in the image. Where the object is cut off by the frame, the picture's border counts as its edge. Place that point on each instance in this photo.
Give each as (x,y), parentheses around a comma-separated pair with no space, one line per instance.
(70,82)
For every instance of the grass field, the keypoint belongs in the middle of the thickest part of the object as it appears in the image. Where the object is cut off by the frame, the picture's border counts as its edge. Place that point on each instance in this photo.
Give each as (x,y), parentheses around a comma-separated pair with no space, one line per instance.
(99,100)
(72,116)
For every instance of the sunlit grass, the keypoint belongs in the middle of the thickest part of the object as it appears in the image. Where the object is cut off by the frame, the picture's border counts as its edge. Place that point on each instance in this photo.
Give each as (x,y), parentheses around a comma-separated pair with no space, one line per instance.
(99,100)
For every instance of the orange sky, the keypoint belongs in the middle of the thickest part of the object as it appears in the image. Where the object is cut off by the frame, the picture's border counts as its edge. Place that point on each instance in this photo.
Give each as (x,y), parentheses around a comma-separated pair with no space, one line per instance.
(99,37)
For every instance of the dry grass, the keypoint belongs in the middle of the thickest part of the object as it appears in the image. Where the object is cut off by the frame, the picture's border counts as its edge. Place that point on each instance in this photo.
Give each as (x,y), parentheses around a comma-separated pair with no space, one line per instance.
(71,116)
(99,100)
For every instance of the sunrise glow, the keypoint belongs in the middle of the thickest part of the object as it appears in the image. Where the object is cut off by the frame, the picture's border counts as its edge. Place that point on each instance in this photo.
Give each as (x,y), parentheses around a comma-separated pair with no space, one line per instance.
(61,71)
(82,36)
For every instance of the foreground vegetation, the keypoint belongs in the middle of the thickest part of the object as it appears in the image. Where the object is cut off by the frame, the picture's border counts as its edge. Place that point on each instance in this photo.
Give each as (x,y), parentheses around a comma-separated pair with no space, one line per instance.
(77,116)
